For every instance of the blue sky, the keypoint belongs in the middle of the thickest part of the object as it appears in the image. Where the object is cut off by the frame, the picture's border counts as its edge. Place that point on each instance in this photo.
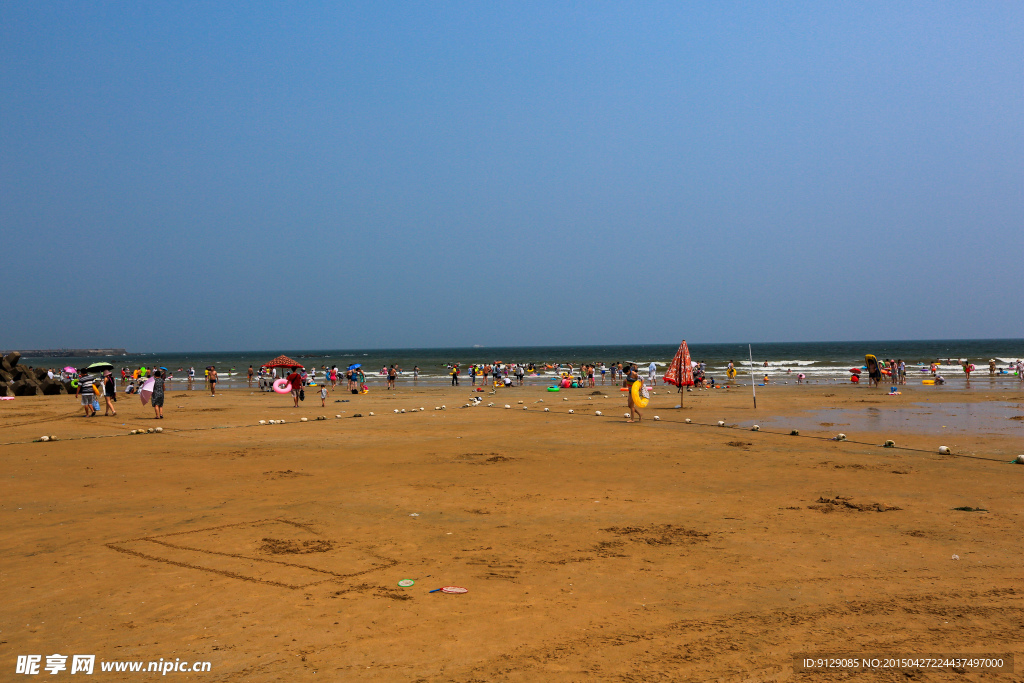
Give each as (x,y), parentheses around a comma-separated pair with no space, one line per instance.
(178,176)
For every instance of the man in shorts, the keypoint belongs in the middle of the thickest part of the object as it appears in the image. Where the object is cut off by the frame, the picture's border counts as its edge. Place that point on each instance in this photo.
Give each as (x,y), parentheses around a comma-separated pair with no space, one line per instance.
(295,380)
(86,392)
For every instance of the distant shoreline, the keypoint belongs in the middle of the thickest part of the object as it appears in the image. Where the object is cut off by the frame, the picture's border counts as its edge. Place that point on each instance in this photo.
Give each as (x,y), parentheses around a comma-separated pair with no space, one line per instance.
(66,353)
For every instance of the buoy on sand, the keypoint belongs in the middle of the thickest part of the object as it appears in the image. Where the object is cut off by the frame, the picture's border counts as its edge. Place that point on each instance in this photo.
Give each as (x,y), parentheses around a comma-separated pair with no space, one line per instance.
(944,450)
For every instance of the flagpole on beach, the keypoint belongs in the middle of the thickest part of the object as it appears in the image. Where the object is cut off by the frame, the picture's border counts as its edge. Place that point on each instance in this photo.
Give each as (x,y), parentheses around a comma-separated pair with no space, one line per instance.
(753,383)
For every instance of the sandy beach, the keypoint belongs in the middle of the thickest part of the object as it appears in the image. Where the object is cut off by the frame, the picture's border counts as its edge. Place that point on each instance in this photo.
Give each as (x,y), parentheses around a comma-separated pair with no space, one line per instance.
(591,549)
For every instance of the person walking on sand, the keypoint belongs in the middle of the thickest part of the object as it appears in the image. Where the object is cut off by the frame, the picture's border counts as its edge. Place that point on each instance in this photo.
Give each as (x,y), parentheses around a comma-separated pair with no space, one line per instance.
(191,378)
(109,393)
(211,379)
(158,395)
(652,373)
(295,381)
(392,374)
(323,395)
(250,377)
(455,375)
(86,392)
(631,377)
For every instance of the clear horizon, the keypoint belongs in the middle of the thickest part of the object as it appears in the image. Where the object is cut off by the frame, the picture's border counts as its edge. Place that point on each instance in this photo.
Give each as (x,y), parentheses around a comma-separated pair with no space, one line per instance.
(529,346)
(271,175)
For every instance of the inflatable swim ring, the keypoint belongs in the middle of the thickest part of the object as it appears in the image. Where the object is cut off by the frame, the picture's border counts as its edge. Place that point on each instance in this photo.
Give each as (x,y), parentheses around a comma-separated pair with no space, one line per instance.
(553,389)
(927,381)
(74,383)
(640,394)
(282,386)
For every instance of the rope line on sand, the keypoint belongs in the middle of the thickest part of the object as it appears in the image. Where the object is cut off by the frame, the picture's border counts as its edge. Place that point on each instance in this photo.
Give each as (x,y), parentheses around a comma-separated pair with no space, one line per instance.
(555,412)
(790,434)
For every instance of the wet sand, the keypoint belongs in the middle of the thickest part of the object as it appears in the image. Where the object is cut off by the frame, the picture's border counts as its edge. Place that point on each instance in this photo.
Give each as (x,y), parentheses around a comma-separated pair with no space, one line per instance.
(591,549)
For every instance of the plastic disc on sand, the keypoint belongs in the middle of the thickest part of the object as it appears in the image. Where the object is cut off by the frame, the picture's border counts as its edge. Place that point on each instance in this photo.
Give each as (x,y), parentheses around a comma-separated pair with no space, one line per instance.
(405,583)
(454,589)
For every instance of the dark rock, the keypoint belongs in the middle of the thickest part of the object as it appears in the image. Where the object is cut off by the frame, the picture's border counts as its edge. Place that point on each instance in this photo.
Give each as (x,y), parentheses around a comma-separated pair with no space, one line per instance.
(6,375)
(12,359)
(52,387)
(5,389)
(24,387)
(22,371)
(40,373)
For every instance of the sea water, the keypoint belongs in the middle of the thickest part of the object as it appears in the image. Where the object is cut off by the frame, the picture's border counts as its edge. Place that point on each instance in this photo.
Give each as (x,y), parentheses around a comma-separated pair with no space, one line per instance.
(818,361)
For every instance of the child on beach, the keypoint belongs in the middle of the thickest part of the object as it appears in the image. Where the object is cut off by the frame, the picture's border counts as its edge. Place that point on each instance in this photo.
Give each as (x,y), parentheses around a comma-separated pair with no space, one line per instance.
(323,395)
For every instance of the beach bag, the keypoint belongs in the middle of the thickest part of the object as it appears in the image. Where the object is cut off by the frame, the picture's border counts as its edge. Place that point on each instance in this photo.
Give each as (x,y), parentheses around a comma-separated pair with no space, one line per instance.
(302,394)
(95,404)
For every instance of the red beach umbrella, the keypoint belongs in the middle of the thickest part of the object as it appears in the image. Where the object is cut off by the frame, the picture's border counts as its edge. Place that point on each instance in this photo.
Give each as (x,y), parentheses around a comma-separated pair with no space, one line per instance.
(283,362)
(680,370)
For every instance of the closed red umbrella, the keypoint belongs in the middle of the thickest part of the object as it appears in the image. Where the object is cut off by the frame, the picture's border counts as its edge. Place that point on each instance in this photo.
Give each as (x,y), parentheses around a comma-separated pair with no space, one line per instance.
(680,370)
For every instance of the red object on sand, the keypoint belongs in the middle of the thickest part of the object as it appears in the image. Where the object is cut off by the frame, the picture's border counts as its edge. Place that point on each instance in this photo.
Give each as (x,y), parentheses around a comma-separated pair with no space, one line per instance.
(680,370)
(855,371)
(283,362)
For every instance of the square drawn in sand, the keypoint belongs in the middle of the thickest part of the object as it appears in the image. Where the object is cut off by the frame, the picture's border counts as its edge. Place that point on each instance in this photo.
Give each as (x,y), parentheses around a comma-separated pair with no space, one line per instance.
(277,552)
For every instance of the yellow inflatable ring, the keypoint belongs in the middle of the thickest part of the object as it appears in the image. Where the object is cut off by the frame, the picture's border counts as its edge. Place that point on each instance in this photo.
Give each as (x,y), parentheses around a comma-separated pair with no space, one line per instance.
(927,381)
(639,399)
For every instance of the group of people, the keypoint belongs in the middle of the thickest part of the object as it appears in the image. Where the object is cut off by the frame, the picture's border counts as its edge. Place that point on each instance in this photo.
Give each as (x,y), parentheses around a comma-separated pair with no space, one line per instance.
(89,388)
(514,374)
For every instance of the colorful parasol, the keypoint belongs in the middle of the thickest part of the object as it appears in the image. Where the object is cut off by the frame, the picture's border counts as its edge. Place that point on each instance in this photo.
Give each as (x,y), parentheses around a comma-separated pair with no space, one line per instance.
(283,362)
(680,370)
(147,390)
